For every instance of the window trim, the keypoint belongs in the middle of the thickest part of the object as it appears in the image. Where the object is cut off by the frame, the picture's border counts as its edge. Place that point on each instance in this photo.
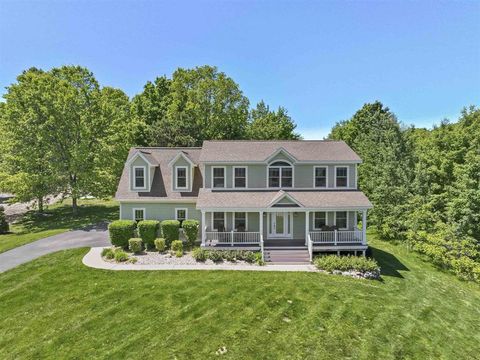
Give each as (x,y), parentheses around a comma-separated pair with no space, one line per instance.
(224,177)
(224,219)
(246,219)
(313,220)
(280,175)
(233,177)
(348,176)
(335,220)
(176,213)
(136,209)
(186,178)
(315,176)
(134,187)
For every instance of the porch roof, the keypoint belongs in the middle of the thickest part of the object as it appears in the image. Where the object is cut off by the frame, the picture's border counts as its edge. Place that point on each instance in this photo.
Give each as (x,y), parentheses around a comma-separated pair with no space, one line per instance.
(208,199)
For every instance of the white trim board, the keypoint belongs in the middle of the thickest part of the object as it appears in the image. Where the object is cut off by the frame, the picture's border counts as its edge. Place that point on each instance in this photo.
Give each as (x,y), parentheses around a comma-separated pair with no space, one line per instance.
(136,209)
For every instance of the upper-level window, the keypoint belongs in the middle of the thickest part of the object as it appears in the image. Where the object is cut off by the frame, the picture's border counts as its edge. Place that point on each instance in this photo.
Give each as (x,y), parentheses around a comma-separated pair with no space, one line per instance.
(341,176)
(139,181)
(280,174)
(240,177)
(321,177)
(181,176)
(218,177)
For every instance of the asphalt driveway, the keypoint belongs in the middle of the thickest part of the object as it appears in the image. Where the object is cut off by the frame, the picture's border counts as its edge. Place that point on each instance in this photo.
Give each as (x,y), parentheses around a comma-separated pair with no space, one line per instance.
(91,237)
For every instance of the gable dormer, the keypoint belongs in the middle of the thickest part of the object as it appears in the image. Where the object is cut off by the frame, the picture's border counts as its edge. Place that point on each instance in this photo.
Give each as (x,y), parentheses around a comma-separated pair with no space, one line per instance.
(141,168)
(182,170)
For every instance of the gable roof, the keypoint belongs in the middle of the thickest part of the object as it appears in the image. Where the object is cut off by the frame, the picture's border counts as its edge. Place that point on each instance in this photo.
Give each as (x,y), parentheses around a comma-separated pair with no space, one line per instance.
(184,155)
(277,199)
(261,151)
(145,155)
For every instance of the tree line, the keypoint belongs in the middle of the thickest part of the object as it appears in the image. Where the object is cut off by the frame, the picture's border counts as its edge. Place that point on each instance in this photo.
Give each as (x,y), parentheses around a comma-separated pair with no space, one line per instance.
(62,133)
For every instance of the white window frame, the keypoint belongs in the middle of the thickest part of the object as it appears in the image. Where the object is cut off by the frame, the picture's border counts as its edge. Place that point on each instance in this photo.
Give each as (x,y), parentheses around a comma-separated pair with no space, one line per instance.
(313,220)
(246,219)
(224,219)
(134,187)
(176,178)
(348,176)
(176,213)
(224,177)
(335,220)
(280,174)
(315,177)
(139,209)
(233,177)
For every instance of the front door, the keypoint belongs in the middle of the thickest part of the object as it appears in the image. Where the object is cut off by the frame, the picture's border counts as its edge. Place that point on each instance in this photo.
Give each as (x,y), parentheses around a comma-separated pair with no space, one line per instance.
(280,225)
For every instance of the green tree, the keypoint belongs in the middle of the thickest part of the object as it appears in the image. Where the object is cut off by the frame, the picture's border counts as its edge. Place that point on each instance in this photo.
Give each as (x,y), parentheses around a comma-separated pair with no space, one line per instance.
(265,124)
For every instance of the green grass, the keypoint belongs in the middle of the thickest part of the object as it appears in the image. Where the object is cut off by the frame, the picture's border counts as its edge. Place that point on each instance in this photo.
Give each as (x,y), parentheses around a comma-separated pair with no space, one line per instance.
(55,307)
(57,219)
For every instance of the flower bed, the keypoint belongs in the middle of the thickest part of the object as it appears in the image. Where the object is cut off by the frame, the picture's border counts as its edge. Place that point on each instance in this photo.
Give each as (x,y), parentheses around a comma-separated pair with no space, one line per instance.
(358,267)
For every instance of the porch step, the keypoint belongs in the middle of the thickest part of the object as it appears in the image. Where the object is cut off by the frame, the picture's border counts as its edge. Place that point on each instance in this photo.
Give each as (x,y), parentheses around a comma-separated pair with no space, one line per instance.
(287,256)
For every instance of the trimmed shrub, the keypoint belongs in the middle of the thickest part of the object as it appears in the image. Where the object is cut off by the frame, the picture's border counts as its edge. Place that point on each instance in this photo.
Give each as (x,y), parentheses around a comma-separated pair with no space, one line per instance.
(250,257)
(135,245)
(177,245)
(199,254)
(215,255)
(121,231)
(170,230)
(160,244)
(258,259)
(108,253)
(333,263)
(4,227)
(148,231)
(190,228)
(120,255)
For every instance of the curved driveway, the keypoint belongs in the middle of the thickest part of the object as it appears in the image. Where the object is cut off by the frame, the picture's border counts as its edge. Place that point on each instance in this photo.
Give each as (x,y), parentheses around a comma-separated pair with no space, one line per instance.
(68,240)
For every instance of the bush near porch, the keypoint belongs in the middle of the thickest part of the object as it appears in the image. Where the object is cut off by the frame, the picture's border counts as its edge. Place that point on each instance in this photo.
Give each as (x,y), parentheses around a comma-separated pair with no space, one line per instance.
(332,263)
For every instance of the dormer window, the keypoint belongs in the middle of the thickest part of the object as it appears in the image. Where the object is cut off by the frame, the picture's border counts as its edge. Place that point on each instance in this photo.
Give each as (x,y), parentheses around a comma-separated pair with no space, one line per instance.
(139,177)
(218,177)
(341,176)
(280,175)
(181,177)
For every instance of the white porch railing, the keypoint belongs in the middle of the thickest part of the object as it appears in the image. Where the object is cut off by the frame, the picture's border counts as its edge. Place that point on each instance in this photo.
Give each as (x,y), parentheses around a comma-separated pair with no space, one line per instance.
(232,238)
(261,247)
(337,237)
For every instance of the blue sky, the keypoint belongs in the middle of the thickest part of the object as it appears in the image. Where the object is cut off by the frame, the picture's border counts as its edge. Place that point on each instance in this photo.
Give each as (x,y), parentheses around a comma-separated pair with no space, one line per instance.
(321,60)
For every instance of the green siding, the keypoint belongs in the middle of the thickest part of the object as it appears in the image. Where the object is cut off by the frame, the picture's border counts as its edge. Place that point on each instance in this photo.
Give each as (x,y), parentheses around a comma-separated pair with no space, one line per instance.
(159,211)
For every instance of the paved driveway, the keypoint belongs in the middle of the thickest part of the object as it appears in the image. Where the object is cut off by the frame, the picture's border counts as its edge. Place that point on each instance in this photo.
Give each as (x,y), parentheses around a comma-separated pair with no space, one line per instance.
(92,237)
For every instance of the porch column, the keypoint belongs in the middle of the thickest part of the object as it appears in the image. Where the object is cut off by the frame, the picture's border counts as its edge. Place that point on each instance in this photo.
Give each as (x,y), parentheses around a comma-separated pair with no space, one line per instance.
(364,227)
(203,227)
(307,225)
(260,214)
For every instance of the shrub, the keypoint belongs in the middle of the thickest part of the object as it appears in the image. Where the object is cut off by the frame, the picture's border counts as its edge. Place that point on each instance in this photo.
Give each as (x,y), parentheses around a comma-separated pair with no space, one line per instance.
(120,255)
(199,254)
(177,245)
(331,263)
(108,253)
(121,231)
(258,259)
(148,231)
(4,227)
(135,245)
(160,244)
(215,255)
(170,230)
(190,227)
(250,257)
(178,253)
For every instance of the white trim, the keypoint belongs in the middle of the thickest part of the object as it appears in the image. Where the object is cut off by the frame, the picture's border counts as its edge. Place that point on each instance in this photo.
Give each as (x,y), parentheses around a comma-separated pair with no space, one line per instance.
(184,209)
(137,154)
(326,219)
(224,219)
(348,177)
(269,209)
(246,220)
(286,215)
(144,213)
(224,177)
(335,219)
(176,188)
(145,177)
(278,151)
(233,177)
(174,160)
(326,176)
(280,175)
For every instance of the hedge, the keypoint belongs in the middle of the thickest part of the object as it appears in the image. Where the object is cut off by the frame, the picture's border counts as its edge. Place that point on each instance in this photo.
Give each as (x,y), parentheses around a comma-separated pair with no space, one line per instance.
(170,230)
(331,263)
(190,228)
(148,231)
(121,231)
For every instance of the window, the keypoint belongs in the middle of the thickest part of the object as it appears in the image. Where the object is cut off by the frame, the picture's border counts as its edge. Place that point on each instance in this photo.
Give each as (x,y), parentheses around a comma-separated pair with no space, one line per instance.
(280,174)
(341,219)
(319,219)
(218,221)
(320,177)
(181,176)
(240,177)
(218,176)
(139,181)
(181,214)
(240,221)
(341,179)
(138,214)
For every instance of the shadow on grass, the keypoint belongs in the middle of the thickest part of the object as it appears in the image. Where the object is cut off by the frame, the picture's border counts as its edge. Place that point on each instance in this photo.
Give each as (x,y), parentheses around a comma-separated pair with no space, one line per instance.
(389,264)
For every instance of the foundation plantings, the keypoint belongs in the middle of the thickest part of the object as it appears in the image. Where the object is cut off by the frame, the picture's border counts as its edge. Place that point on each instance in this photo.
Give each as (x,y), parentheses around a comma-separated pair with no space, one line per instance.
(355,266)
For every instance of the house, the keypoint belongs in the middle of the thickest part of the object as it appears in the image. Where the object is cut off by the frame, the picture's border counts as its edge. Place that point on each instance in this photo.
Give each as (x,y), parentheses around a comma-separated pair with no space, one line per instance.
(265,195)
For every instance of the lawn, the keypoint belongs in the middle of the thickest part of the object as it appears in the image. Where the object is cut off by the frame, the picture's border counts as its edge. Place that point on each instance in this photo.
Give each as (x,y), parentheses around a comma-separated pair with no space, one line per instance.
(57,219)
(55,307)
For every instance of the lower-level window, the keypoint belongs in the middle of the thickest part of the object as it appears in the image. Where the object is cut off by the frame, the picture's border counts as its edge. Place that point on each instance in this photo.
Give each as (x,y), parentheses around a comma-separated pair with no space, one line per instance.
(180,214)
(138,214)
(218,221)
(241,221)
(319,219)
(341,219)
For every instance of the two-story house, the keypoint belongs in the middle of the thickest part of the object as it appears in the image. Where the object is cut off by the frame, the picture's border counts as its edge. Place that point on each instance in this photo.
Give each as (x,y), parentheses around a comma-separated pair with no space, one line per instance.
(252,194)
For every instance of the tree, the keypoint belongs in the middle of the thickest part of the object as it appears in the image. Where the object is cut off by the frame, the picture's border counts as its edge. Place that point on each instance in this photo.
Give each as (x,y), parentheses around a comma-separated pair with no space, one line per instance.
(4,227)
(270,125)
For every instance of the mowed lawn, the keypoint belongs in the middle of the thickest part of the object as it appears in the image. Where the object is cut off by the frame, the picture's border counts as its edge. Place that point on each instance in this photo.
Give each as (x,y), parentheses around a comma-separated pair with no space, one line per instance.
(57,219)
(55,307)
